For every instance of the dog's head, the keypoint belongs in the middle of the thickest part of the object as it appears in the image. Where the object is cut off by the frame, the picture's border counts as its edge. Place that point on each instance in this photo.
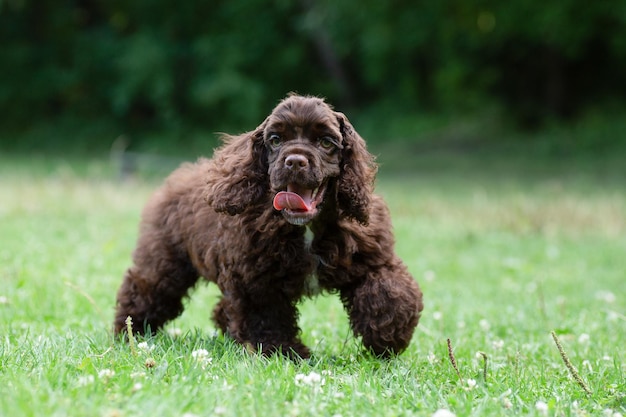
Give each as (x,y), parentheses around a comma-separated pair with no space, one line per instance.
(306,156)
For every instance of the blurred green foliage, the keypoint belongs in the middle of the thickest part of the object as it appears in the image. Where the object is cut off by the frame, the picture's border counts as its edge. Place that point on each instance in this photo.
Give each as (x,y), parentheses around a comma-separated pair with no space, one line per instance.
(222,64)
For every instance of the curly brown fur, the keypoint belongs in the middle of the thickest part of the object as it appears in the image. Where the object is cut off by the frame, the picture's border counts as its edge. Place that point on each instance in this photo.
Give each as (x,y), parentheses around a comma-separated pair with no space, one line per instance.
(239,220)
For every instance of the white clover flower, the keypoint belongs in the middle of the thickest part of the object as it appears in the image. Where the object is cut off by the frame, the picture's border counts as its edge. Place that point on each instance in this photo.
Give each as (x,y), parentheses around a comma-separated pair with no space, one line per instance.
(506,403)
(202,357)
(484,324)
(145,347)
(583,338)
(311,379)
(606,296)
(442,412)
(497,344)
(614,316)
(175,332)
(85,380)
(106,374)
(137,386)
(429,275)
(471,384)
(437,315)
(200,354)
(541,407)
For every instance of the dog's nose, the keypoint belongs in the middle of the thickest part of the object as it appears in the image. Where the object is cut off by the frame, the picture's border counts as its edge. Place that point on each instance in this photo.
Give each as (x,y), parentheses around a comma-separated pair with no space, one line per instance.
(296,161)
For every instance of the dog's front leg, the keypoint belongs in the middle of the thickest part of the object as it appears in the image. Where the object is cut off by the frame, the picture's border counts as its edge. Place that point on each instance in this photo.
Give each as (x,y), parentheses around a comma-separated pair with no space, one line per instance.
(384,308)
(264,323)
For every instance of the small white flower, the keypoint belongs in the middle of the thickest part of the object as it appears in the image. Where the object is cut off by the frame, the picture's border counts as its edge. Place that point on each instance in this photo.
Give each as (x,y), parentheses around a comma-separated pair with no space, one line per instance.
(437,315)
(311,379)
(613,316)
(174,332)
(442,412)
(145,346)
(606,296)
(200,354)
(583,338)
(431,357)
(429,275)
(219,410)
(484,324)
(4,300)
(106,374)
(85,380)
(506,403)
(497,344)
(541,407)
(137,386)
(471,384)
(202,357)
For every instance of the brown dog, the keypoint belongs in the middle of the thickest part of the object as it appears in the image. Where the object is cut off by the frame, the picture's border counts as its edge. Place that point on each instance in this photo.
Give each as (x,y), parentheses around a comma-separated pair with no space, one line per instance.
(239,220)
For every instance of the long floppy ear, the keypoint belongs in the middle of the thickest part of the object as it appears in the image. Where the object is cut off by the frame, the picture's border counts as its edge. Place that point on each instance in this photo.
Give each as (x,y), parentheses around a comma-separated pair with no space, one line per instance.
(237,175)
(356,180)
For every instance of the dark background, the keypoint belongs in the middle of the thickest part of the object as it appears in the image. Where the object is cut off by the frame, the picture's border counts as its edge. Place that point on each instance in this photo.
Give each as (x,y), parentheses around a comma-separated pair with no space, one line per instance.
(79,74)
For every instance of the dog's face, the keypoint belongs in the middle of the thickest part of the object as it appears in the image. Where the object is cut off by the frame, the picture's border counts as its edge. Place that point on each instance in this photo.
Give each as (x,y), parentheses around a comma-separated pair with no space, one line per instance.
(304,146)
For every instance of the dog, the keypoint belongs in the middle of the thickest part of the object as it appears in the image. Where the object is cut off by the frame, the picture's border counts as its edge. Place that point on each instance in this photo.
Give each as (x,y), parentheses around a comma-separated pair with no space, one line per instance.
(241,220)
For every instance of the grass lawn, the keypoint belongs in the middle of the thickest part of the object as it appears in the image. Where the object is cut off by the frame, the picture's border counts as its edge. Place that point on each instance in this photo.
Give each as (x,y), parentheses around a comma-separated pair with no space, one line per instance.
(505,254)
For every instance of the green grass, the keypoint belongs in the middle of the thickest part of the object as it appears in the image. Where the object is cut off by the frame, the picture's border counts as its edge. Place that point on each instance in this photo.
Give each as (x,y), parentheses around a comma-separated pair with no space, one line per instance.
(504,256)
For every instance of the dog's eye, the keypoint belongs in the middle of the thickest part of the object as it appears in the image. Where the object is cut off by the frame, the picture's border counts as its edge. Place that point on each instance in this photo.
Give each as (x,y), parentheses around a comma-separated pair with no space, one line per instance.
(274,140)
(326,142)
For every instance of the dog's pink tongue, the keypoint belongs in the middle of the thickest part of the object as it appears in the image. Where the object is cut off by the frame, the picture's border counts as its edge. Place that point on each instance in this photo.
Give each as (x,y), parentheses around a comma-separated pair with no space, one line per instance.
(289,200)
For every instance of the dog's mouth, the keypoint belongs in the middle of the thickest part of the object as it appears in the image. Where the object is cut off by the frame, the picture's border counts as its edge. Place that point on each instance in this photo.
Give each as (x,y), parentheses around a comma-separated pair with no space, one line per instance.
(299,204)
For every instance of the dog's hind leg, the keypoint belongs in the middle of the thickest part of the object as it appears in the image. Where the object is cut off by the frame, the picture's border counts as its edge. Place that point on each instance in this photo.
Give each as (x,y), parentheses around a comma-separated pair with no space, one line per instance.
(152,293)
